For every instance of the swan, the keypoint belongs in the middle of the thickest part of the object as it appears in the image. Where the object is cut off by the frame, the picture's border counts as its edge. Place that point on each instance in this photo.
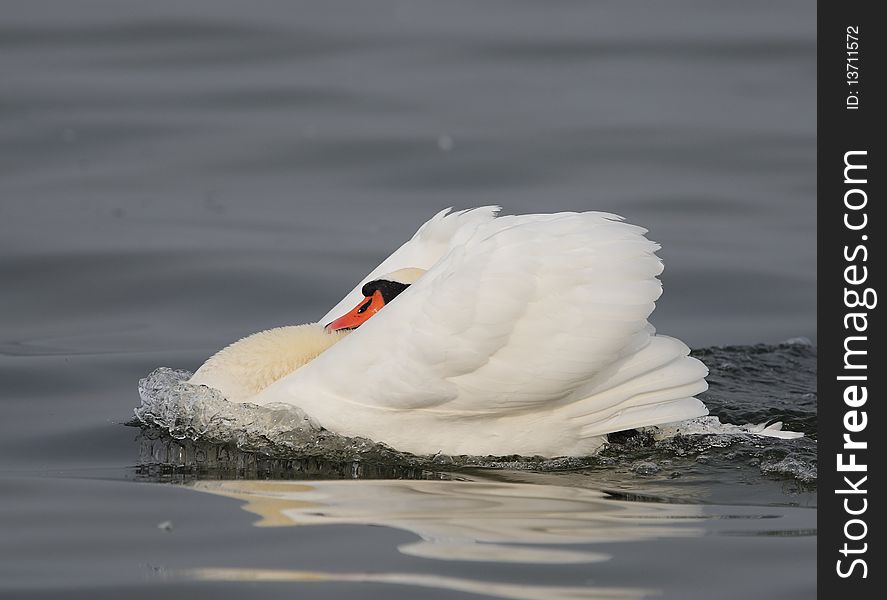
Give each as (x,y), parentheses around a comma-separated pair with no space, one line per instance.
(483,335)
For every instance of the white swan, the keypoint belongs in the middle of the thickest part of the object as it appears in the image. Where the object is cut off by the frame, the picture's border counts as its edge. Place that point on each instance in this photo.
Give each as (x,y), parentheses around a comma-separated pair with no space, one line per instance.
(484,335)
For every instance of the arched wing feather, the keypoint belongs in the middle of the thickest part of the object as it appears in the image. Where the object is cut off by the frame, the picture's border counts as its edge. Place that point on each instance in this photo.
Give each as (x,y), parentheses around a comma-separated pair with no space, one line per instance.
(519,312)
(422,251)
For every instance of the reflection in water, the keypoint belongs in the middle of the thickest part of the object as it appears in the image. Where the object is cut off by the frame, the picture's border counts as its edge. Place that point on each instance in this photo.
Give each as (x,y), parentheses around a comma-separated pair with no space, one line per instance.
(487,588)
(468,521)
(163,458)
(460,520)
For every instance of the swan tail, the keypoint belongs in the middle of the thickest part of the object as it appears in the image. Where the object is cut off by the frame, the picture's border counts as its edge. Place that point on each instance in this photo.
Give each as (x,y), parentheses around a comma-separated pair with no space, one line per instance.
(652,386)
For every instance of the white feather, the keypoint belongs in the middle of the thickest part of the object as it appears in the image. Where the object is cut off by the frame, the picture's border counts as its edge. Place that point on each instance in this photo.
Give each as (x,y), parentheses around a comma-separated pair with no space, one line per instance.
(528,334)
(243,369)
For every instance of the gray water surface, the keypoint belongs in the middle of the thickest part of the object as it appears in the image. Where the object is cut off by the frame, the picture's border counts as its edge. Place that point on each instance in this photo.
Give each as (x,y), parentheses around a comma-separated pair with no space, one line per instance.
(175,175)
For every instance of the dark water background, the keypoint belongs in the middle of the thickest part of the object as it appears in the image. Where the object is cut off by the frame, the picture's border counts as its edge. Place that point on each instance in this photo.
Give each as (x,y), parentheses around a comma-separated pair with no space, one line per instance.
(174,175)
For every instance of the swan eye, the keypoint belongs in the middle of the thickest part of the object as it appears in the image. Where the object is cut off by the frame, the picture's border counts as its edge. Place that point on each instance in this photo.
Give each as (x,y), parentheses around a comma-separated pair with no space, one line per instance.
(365,306)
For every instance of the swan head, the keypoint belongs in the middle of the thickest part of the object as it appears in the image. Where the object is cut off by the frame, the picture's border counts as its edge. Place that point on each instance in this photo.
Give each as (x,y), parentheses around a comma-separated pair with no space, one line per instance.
(376,294)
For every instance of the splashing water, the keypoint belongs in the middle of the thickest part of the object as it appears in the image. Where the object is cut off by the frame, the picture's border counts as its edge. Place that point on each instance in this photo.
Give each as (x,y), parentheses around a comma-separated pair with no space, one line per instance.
(187,426)
(184,411)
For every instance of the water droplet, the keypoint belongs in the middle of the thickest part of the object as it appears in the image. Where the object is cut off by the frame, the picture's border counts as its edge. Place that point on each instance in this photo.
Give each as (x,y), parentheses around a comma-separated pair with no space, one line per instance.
(645,468)
(445,142)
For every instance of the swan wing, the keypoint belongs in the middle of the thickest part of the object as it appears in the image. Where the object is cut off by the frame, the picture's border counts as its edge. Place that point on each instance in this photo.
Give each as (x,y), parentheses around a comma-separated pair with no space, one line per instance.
(518,314)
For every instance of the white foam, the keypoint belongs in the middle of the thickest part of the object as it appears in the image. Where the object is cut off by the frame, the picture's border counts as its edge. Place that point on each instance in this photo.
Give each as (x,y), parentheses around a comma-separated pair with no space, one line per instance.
(713,426)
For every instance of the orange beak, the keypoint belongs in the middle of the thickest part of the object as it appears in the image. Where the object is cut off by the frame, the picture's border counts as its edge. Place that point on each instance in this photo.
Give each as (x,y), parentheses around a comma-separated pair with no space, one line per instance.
(369,306)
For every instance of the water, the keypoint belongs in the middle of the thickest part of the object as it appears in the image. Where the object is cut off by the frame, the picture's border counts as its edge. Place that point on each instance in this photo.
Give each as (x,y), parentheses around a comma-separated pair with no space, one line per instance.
(176,175)
(192,431)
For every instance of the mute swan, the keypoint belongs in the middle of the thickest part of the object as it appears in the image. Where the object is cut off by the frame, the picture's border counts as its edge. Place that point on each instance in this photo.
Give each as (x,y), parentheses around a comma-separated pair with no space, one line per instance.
(481,335)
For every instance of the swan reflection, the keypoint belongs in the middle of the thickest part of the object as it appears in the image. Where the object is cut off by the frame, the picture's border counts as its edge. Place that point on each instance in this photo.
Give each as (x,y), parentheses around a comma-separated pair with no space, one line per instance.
(466,521)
